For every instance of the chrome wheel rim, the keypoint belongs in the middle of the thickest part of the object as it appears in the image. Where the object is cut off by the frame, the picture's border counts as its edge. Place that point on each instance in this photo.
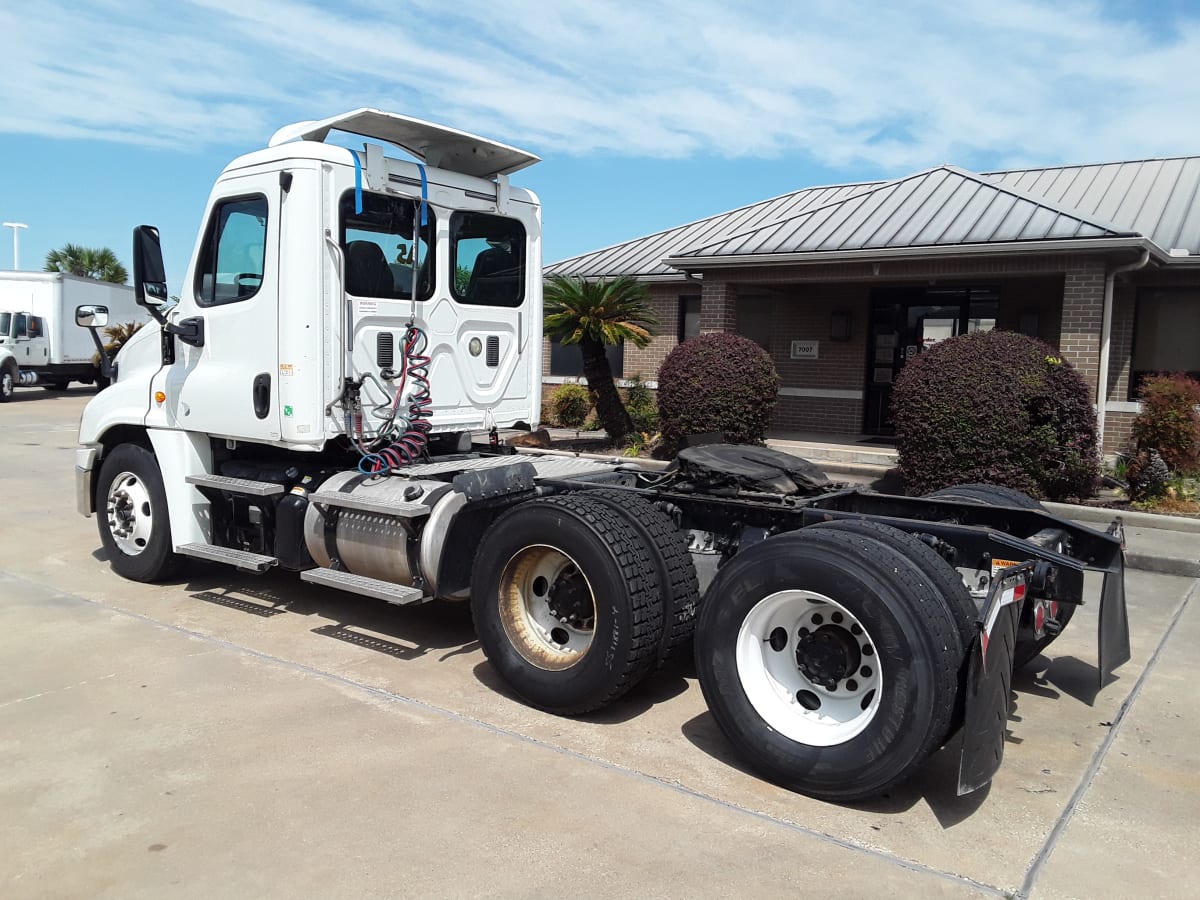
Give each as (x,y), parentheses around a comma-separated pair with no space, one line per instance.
(130,513)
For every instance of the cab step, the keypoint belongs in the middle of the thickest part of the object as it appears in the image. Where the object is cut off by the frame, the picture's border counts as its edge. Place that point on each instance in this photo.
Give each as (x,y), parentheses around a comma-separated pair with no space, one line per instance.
(235,485)
(399,594)
(400,508)
(242,559)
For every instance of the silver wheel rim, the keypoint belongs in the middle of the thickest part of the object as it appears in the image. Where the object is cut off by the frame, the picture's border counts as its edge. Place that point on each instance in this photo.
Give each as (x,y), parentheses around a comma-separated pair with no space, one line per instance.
(547,607)
(6,384)
(130,513)
(809,668)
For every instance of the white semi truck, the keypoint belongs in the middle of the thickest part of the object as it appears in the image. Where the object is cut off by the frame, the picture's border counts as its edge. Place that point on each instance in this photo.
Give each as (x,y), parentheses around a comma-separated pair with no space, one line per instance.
(349,319)
(39,343)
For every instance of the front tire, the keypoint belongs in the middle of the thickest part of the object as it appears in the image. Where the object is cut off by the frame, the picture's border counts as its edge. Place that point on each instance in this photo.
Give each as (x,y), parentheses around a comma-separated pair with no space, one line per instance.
(131,513)
(567,603)
(8,383)
(828,662)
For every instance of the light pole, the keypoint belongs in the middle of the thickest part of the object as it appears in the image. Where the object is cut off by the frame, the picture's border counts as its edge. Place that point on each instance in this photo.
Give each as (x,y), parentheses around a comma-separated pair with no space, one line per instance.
(16,227)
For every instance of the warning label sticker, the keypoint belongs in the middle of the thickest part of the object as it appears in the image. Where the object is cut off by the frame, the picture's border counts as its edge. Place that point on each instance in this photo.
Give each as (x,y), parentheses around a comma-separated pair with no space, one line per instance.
(998,564)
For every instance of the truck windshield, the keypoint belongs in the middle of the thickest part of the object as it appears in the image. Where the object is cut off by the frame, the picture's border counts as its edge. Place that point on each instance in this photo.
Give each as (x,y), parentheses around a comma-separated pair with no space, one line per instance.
(5,323)
(381,249)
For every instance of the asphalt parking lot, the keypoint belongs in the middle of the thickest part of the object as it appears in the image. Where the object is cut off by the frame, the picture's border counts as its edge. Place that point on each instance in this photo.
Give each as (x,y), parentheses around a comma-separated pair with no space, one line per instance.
(239,736)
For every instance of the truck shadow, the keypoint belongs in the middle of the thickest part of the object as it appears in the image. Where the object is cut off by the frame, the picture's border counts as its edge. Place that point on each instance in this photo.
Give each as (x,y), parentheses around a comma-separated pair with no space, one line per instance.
(660,687)
(407,632)
(1062,674)
(936,783)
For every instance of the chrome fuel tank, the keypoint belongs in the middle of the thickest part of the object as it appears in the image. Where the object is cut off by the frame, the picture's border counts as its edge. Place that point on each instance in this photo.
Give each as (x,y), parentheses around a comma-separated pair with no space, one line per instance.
(371,543)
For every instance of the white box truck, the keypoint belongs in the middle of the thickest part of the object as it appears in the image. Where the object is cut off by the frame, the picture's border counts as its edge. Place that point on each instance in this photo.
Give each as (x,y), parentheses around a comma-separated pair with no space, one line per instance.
(39,341)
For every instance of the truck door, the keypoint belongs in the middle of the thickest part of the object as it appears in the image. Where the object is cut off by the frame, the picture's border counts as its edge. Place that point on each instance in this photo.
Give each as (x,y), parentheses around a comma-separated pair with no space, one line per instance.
(228,387)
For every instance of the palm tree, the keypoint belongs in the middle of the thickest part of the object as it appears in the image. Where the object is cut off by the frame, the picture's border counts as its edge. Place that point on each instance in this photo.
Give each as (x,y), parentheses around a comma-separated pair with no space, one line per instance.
(90,262)
(595,315)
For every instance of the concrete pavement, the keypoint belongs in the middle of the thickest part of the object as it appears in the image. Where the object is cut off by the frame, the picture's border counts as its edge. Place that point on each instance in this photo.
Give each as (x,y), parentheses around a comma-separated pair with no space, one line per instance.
(291,740)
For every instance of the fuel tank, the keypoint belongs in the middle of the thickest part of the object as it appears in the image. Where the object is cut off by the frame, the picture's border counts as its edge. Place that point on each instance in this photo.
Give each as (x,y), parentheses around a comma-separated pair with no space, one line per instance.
(371,543)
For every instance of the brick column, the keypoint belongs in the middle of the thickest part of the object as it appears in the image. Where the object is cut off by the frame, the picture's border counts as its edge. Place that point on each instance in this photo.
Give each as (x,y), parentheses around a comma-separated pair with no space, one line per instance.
(1082,312)
(718,307)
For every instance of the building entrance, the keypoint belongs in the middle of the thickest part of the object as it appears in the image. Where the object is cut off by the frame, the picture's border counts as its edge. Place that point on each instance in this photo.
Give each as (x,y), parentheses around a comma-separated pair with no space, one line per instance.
(908,320)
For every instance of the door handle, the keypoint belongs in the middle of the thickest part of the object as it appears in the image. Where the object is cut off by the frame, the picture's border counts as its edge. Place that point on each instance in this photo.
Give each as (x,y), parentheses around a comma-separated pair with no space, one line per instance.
(262,395)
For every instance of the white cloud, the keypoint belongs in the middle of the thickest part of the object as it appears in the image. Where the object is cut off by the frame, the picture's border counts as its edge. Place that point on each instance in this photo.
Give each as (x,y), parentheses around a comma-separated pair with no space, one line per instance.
(894,86)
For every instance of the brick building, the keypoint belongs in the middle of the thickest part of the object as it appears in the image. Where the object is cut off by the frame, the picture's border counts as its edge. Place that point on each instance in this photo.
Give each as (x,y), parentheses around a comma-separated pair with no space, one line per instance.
(842,284)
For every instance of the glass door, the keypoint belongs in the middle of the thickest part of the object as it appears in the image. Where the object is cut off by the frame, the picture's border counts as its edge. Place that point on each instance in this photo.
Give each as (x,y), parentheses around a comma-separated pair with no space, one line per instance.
(906,321)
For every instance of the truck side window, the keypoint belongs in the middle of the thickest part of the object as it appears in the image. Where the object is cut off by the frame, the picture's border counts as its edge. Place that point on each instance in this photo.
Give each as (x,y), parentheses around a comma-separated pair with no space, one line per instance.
(22,326)
(35,326)
(488,256)
(233,257)
(381,245)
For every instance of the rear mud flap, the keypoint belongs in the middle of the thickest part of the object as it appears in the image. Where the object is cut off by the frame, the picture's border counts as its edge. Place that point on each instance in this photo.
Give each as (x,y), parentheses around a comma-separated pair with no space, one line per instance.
(989,681)
(1113,637)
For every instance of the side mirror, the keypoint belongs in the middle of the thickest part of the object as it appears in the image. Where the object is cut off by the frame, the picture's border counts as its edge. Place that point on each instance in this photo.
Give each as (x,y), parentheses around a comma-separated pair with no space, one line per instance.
(91,316)
(149,276)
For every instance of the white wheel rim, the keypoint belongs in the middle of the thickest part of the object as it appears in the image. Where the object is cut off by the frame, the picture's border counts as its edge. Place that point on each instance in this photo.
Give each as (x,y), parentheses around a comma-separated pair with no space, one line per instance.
(771,649)
(6,383)
(130,514)
(547,607)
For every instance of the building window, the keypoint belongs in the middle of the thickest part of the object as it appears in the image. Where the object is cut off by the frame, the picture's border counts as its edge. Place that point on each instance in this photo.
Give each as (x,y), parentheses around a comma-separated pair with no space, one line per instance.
(754,320)
(567,359)
(689,317)
(1164,334)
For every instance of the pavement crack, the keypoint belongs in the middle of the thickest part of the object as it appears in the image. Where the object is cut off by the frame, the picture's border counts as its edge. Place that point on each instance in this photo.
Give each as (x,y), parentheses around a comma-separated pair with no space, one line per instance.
(1085,783)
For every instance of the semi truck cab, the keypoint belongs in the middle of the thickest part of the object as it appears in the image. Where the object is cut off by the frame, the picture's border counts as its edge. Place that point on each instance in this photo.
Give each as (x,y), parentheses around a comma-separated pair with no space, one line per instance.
(311,263)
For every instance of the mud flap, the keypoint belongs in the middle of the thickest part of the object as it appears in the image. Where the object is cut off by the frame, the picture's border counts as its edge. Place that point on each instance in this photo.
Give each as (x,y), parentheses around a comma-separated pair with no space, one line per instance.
(989,680)
(1113,637)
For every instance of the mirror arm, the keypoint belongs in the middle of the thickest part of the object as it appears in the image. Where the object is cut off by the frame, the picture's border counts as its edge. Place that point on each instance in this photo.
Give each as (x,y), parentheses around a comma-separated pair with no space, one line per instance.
(106,363)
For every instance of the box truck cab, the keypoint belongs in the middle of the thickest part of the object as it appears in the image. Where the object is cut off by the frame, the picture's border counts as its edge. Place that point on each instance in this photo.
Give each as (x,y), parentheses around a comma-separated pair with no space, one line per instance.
(40,344)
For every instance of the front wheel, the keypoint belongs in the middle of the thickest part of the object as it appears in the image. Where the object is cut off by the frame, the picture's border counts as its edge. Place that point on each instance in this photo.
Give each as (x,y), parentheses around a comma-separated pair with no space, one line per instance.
(132,515)
(828,662)
(8,383)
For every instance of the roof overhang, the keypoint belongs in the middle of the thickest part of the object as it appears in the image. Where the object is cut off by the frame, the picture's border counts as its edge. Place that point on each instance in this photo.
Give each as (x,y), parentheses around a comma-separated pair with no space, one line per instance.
(437,145)
(758,260)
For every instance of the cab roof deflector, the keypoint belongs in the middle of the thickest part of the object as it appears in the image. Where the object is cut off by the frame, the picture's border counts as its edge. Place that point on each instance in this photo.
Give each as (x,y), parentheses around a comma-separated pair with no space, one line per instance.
(435,145)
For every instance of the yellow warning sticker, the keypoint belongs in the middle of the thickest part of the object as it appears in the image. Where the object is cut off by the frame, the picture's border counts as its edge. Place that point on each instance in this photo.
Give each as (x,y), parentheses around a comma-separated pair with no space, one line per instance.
(998,564)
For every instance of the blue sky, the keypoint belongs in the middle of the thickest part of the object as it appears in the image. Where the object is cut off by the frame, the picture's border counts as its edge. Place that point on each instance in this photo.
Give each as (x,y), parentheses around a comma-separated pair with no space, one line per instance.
(647,115)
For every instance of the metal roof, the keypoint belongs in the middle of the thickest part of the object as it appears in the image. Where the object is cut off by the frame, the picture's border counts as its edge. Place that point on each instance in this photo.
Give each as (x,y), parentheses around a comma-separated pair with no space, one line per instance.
(940,207)
(644,256)
(1159,198)
(944,207)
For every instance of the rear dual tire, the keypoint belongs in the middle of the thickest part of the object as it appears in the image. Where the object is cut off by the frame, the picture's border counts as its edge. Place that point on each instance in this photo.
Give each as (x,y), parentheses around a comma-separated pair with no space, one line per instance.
(842,703)
(567,603)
